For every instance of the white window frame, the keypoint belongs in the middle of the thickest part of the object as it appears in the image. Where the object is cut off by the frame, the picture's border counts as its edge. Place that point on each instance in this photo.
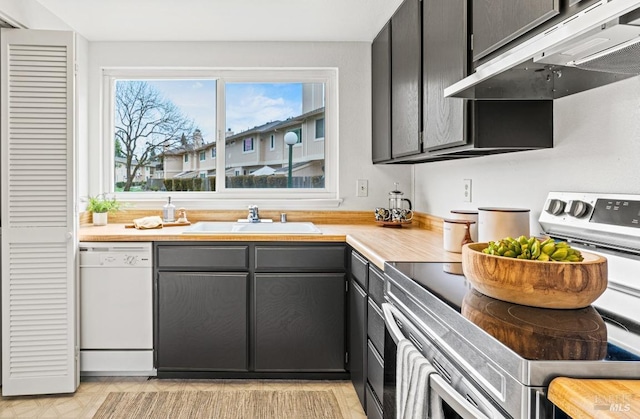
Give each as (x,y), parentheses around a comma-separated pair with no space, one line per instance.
(327,197)
(202,155)
(272,142)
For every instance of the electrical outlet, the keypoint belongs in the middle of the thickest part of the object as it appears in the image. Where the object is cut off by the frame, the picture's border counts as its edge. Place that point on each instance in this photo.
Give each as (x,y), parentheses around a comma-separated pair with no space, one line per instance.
(467,190)
(362,186)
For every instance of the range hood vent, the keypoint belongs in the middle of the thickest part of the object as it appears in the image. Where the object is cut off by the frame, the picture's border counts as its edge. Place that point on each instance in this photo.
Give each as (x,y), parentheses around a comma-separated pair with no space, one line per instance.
(623,59)
(596,46)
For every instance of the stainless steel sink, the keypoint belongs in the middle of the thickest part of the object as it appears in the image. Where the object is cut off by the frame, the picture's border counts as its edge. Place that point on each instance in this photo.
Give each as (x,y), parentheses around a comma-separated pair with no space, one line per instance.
(222,227)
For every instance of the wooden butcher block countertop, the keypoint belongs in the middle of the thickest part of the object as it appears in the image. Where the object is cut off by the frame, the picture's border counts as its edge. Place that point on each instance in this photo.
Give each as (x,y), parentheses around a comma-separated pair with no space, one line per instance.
(581,398)
(420,241)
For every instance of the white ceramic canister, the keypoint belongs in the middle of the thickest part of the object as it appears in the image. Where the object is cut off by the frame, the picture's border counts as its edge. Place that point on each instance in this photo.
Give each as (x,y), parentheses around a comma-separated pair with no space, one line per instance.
(498,223)
(471,215)
(453,233)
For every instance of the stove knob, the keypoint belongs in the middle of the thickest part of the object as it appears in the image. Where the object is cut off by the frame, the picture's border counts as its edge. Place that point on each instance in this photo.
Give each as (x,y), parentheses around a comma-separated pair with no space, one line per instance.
(577,209)
(554,206)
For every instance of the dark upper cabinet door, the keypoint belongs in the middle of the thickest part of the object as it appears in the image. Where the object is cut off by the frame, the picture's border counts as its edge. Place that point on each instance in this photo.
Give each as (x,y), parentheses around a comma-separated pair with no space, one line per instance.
(444,63)
(406,79)
(381,95)
(496,22)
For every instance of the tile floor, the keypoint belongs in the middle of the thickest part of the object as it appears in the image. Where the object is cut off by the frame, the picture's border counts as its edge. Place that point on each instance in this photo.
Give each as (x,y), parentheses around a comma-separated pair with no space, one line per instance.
(93,390)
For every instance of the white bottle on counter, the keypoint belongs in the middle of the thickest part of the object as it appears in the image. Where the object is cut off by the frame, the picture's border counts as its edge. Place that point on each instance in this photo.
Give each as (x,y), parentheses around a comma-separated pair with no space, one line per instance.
(169,212)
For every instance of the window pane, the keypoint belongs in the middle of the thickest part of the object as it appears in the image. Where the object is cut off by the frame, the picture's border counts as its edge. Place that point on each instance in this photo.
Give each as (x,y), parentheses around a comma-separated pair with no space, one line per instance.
(163,131)
(258,115)
(320,128)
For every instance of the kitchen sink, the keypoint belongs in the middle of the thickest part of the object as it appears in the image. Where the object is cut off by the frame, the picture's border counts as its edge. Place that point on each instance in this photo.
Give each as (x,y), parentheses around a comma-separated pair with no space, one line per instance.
(222,227)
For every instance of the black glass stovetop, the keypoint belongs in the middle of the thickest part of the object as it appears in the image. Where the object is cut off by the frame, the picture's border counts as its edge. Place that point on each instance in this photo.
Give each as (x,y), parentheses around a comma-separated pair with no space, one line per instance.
(533,333)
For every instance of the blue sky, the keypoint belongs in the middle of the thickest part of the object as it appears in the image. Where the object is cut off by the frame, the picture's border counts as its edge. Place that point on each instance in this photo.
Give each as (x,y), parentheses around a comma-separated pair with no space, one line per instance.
(248,104)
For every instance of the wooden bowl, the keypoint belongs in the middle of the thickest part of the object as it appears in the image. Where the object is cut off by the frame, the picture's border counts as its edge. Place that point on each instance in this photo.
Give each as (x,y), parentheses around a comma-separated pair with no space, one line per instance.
(535,283)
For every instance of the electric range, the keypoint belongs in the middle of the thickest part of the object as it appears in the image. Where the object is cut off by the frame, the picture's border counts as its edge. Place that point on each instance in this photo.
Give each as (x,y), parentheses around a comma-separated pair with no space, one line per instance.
(510,353)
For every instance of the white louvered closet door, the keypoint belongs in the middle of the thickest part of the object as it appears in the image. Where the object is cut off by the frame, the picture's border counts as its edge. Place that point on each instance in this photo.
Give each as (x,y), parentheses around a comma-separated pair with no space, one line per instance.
(39,304)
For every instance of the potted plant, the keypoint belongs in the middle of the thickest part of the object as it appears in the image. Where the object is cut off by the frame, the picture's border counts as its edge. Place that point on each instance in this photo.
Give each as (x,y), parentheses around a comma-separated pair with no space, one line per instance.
(100,206)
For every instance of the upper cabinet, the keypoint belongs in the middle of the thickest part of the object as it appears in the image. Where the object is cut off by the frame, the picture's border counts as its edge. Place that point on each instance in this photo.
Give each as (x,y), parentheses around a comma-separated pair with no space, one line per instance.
(406,77)
(381,99)
(496,22)
(444,61)
(433,37)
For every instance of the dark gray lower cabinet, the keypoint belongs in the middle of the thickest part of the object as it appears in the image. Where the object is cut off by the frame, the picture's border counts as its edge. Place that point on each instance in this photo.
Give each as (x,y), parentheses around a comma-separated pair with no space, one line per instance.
(358,338)
(299,322)
(251,310)
(202,321)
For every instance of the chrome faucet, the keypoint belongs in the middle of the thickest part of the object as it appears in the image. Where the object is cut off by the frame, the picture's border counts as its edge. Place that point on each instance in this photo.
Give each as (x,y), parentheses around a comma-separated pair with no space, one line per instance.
(253,216)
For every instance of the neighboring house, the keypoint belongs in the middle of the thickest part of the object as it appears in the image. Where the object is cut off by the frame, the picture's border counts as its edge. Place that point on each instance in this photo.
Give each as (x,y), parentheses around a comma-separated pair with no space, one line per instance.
(254,149)
(143,174)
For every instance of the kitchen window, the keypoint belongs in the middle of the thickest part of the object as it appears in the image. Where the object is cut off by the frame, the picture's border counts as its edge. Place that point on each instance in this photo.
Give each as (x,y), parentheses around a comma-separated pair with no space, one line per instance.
(245,113)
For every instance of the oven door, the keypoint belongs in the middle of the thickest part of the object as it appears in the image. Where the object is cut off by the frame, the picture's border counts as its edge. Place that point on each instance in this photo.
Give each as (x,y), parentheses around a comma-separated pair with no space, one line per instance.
(451,395)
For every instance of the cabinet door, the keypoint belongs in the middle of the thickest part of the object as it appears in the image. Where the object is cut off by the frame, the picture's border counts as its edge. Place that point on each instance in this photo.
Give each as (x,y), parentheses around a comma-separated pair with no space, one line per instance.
(202,321)
(299,322)
(444,63)
(406,75)
(496,22)
(358,339)
(381,95)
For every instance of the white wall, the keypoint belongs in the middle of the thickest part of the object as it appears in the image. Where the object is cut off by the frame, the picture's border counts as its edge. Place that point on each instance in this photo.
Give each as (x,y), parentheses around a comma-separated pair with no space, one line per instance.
(596,149)
(82,115)
(353,60)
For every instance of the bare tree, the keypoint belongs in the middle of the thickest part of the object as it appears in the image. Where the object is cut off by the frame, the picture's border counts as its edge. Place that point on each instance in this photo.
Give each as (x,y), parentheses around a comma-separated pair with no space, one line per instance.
(146,123)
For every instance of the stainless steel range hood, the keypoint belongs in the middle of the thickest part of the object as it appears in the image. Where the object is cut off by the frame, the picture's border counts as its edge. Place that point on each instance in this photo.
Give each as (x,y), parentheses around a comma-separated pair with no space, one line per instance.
(594,47)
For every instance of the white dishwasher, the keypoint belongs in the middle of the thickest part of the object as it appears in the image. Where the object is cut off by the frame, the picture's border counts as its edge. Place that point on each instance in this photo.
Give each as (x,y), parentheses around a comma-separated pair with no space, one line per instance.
(116,309)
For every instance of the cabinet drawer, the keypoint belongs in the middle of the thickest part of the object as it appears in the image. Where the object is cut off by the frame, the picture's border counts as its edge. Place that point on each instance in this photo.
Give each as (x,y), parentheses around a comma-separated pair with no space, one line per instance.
(359,269)
(375,371)
(307,258)
(374,409)
(376,285)
(219,258)
(375,326)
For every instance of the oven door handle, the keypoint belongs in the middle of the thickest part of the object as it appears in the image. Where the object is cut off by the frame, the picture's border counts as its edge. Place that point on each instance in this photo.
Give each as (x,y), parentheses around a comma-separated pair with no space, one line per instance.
(390,322)
(454,399)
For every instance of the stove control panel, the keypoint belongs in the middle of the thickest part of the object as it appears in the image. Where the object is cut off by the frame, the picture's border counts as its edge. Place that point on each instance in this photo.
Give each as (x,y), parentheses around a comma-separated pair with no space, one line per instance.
(599,218)
(622,212)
